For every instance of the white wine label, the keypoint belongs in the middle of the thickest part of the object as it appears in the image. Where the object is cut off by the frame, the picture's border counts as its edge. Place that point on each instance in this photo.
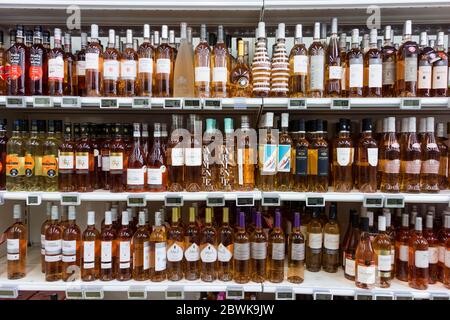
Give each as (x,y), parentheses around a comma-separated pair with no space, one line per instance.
(124,265)
(344,156)
(430,166)
(301,64)
(160,256)
(116,162)
(69,247)
(146,255)
(385,262)
(242,251)
(65,162)
(315,240)
(53,258)
(43,244)
(163,66)
(69,258)
(365,274)
(105,163)
(154,175)
(81,68)
(447,258)
(331,241)
(350,266)
(193,156)
(413,166)
(177,157)
(334,72)
(259,250)
(392,166)
(12,249)
(56,68)
(298,251)
(269,158)
(128,69)
(106,252)
(92,61)
(82,162)
(388,73)
(433,255)
(403,253)
(284,158)
(421,259)
(356,75)
(411,69)
(278,251)
(375,75)
(316,72)
(372,156)
(192,253)
(202,74)
(424,78)
(53,247)
(88,265)
(135,176)
(106,265)
(442,251)
(209,254)
(145,65)
(175,253)
(223,253)
(124,251)
(111,70)
(220,74)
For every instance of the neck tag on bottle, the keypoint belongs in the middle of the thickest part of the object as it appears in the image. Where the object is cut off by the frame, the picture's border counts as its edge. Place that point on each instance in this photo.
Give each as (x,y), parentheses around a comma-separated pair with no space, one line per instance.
(296,104)
(373,201)
(34,199)
(439,296)
(192,104)
(173,200)
(404,296)
(284,293)
(141,103)
(175,293)
(243,200)
(70,102)
(16,102)
(383,295)
(173,103)
(235,293)
(137,200)
(322,295)
(93,293)
(70,199)
(9,292)
(363,295)
(215,201)
(137,293)
(74,293)
(315,201)
(109,103)
(212,104)
(270,199)
(340,104)
(394,201)
(42,102)
(410,104)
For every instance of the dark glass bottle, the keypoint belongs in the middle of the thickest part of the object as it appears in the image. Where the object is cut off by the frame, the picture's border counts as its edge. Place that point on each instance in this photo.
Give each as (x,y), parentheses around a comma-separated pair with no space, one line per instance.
(3,142)
(15,65)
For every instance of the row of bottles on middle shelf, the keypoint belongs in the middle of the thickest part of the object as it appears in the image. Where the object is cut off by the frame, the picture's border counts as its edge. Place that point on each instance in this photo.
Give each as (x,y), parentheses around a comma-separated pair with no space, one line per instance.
(371,255)
(162,69)
(298,156)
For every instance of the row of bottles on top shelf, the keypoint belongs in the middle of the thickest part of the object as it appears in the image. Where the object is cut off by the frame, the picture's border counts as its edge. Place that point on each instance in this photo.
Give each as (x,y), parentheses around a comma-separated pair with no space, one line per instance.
(370,254)
(298,156)
(209,70)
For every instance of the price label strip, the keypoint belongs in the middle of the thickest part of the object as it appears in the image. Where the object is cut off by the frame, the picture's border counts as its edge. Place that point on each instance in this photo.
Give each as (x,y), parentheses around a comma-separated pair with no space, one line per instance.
(373,201)
(192,104)
(270,199)
(175,293)
(340,104)
(173,201)
(173,103)
(245,200)
(137,293)
(109,103)
(284,294)
(141,103)
(322,295)
(42,102)
(9,293)
(403,296)
(93,293)
(240,103)
(315,201)
(235,293)
(72,199)
(16,102)
(74,293)
(363,295)
(440,296)
(70,102)
(410,104)
(383,295)
(212,104)
(136,200)
(34,200)
(394,201)
(215,201)
(296,104)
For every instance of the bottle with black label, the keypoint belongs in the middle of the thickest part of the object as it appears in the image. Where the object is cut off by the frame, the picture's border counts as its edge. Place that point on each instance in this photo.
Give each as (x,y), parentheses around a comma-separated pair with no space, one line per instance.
(318,159)
(301,146)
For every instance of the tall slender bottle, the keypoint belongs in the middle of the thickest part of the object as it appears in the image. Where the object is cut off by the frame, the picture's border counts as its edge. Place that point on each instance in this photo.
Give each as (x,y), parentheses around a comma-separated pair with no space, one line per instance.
(158,259)
(71,246)
(84,161)
(221,65)
(2,66)
(193,156)
(446,271)
(402,249)
(33,157)
(373,68)
(258,252)
(44,228)
(429,178)
(365,259)
(276,251)
(411,154)
(164,66)
(241,253)
(108,249)
(443,236)
(3,144)
(227,164)
(111,67)
(136,169)
(285,155)
(330,257)
(333,73)
(37,65)
(146,55)
(440,69)
(355,61)
(50,159)
(94,65)
(261,64)
(156,163)
(208,251)
(90,250)
(16,62)
(210,157)
(418,261)
(56,67)
(175,248)
(241,76)
(296,252)
(175,155)
(183,79)
(279,77)
(53,248)
(316,71)
(117,160)
(192,248)
(300,151)
(141,250)
(389,64)
(125,258)
(128,68)
(407,60)
(268,154)
(225,249)
(246,157)
(443,163)
(349,246)
(425,67)
(314,243)
(367,159)
(298,66)
(318,159)
(202,62)
(343,156)
(81,66)
(433,250)
(390,231)
(390,150)
(344,65)
(70,76)
(16,246)
(382,247)
(66,161)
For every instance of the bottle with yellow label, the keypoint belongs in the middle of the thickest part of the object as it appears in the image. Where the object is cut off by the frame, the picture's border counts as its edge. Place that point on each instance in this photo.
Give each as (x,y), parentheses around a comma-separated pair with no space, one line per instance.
(50,160)
(33,156)
(15,158)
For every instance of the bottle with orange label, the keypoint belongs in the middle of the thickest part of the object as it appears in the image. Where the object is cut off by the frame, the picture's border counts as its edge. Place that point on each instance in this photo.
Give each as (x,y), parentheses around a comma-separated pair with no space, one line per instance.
(15,158)
(50,159)
(33,156)
(38,58)
(3,142)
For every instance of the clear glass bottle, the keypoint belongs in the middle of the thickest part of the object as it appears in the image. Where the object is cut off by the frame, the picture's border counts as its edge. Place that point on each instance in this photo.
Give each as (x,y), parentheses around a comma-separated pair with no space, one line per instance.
(108,248)
(70,75)
(94,65)
(402,249)
(81,66)
(221,65)
(373,68)
(141,250)
(158,252)
(136,168)
(208,251)
(343,156)
(279,77)
(227,167)
(128,68)
(202,62)
(441,140)
(192,248)
(241,76)
(258,252)
(268,155)
(111,67)
(285,156)
(382,247)
(146,55)
(418,261)
(50,153)
(318,159)
(33,156)
(175,248)
(367,159)
(355,61)
(210,157)
(349,244)
(225,249)
(344,65)
(429,178)
(365,259)
(164,66)
(296,252)
(16,246)
(175,155)
(56,66)
(157,173)
(66,161)
(193,156)
(440,69)
(53,248)
(90,250)
(314,243)
(241,253)
(433,250)
(246,156)
(389,56)
(410,151)
(333,72)
(124,237)
(261,64)
(184,67)
(331,236)
(425,67)
(298,66)
(276,251)
(84,161)
(71,246)
(390,150)
(316,71)
(407,61)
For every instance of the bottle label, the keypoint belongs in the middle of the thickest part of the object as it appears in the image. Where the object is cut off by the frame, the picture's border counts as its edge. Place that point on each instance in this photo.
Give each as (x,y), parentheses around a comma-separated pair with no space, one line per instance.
(91,61)
(224,253)
(411,69)
(298,251)
(135,177)
(220,74)
(193,157)
(447,258)
(154,175)
(29,165)
(124,254)
(192,253)
(160,256)
(269,158)
(284,158)
(128,69)
(331,241)
(365,274)
(89,254)
(442,251)
(175,252)
(430,166)
(259,250)
(111,70)
(322,162)
(82,161)
(81,68)
(116,161)
(316,72)
(356,73)
(388,73)
(42,244)
(344,156)
(105,163)
(375,73)
(12,249)
(53,250)
(413,166)
(15,165)
(65,160)
(433,255)
(202,74)
(35,70)
(69,248)
(424,77)
(301,64)
(392,166)
(56,68)
(49,166)
(145,65)
(301,161)
(421,258)
(278,251)
(403,253)
(242,251)
(163,66)
(177,156)
(209,253)
(106,255)
(334,72)
(385,262)
(350,267)
(372,156)
(315,240)
(146,255)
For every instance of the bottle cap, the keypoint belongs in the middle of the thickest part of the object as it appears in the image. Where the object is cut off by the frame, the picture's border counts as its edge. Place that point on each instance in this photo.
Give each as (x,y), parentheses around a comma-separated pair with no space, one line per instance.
(367,124)
(203,32)
(285,120)
(108,218)
(277,219)
(91,218)
(17,211)
(418,226)
(387,33)
(391,124)
(447,221)
(67,39)
(423,125)
(242,220)
(57,35)
(405,125)
(429,221)
(83,39)
(318,125)
(316,30)
(281,31)
(405,220)
(440,130)
(258,220)
(268,120)
(112,37)
(364,223)
(355,36)
(141,218)
(125,218)
(323,31)
(373,36)
(298,31)
(228,125)
(261,30)
(183,30)
(171,36)
(146,31)
(94,31)
(423,40)
(381,223)
(387,215)
(430,124)
(440,38)
(164,32)
(344,125)
(129,36)
(343,41)
(334,25)
(71,213)
(407,29)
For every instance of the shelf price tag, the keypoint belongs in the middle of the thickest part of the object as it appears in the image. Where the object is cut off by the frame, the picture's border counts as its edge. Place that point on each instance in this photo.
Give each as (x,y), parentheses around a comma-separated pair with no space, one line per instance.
(9,292)
(109,103)
(322,295)
(93,293)
(42,102)
(403,296)
(70,102)
(173,200)
(74,293)
(240,103)
(34,199)
(296,104)
(141,102)
(440,296)
(284,294)
(270,199)
(410,104)
(16,102)
(235,293)
(175,293)
(215,201)
(70,199)
(137,200)
(192,104)
(212,104)
(243,200)
(315,201)
(383,295)
(373,201)
(363,295)
(137,293)
(173,103)
(340,104)
(394,201)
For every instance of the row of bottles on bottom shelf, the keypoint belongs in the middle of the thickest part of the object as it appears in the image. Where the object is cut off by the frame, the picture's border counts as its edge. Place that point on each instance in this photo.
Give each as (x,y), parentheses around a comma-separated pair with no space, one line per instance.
(255,251)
